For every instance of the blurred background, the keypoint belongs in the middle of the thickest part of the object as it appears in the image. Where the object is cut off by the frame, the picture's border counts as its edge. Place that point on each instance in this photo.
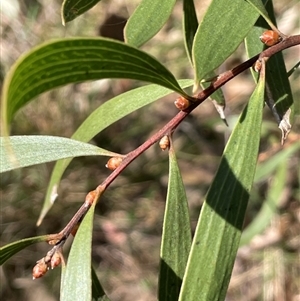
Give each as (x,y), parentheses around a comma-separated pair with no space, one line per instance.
(128,220)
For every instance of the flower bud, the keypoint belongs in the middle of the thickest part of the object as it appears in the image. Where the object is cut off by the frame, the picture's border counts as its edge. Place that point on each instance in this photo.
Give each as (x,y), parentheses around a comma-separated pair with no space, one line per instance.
(113,163)
(40,269)
(164,143)
(55,260)
(181,103)
(270,37)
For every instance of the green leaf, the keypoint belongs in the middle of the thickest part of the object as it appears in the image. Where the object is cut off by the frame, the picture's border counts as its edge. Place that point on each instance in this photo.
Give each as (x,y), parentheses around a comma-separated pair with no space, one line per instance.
(190,25)
(98,293)
(269,207)
(148,18)
(176,237)
(222,29)
(77,280)
(11,249)
(110,112)
(97,290)
(22,151)
(61,62)
(259,6)
(252,42)
(219,228)
(253,45)
(278,91)
(71,9)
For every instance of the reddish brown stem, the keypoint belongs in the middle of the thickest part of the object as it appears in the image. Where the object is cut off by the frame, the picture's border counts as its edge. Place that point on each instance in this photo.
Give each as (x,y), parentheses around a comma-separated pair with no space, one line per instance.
(172,125)
(91,197)
(221,80)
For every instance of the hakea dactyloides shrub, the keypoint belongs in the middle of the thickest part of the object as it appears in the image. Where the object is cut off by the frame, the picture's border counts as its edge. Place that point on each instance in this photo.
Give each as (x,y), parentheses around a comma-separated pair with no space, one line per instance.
(187,270)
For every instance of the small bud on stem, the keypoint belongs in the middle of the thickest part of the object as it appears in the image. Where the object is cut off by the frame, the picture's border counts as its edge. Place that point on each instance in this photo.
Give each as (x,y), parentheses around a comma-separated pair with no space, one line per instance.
(181,103)
(113,163)
(164,143)
(270,37)
(40,269)
(56,259)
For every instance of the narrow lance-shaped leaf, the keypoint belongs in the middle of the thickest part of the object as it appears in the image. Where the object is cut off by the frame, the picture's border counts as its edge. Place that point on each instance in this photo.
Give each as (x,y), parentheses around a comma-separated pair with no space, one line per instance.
(147,20)
(219,228)
(190,25)
(22,151)
(77,279)
(101,118)
(278,91)
(176,237)
(71,9)
(252,42)
(223,28)
(60,62)
(259,6)
(11,249)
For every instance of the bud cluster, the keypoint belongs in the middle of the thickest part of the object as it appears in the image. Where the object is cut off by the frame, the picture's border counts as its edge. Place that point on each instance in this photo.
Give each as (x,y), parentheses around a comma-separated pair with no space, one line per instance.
(51,260)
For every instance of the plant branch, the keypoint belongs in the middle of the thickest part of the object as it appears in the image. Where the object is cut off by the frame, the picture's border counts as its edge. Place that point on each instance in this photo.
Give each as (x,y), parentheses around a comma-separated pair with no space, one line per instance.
(222,79)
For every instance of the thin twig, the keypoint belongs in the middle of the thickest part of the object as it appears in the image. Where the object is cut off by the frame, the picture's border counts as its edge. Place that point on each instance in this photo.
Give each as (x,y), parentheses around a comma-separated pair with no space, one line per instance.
(222,79)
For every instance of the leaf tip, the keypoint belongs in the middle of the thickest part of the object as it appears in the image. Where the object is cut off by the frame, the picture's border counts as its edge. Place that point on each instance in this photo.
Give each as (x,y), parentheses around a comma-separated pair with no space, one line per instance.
(285,126)
(41,217)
